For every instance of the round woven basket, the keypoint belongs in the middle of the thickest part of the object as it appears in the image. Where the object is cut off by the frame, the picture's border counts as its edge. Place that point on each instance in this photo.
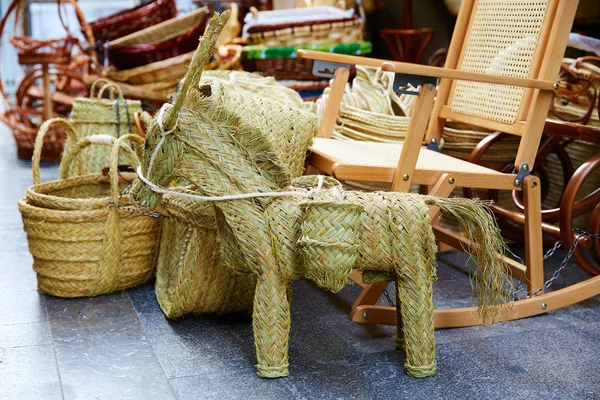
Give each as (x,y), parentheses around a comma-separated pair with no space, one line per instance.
(81,245)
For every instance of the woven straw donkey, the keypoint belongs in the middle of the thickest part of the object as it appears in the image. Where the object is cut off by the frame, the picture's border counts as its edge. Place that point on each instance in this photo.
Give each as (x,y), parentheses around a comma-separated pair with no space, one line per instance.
(220,160)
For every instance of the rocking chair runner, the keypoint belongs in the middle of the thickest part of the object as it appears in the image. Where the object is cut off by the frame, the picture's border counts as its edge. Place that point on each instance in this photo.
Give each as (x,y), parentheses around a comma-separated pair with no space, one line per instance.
(495,44)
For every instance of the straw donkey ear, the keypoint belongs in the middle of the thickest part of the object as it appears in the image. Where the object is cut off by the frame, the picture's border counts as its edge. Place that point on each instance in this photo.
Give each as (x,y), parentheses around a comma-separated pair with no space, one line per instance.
(201,57)
(141,194)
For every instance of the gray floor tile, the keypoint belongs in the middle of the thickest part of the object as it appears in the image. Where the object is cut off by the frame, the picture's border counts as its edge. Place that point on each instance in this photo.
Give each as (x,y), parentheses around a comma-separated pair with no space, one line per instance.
(17,273)
(71,318)
(226,344)
(230,385)
(111,366)
(21,307)
(25,334)
(143,298)
(29,373)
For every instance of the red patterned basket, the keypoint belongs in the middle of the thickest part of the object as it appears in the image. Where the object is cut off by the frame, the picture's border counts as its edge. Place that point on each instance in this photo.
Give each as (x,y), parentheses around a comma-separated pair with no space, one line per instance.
(160,42)
(132,20)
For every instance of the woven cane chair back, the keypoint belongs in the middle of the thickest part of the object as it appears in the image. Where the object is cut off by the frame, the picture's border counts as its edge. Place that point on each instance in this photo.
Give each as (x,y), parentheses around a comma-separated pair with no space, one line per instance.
(503,40)
(512,38)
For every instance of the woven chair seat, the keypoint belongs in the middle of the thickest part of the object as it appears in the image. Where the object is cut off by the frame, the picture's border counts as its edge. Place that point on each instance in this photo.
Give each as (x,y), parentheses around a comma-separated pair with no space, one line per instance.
(373,154)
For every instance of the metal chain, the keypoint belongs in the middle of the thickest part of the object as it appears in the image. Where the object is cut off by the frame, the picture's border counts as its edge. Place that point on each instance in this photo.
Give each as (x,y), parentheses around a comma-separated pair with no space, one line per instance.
(135,210)
(389,299)
(580,234)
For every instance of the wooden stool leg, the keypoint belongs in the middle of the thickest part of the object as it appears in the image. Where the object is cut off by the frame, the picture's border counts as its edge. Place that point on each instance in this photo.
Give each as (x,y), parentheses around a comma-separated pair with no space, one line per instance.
(47,95)
(271,323)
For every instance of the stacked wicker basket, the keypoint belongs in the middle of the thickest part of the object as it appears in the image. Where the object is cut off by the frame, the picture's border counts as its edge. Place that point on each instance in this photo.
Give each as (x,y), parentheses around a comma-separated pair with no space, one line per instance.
(274,36)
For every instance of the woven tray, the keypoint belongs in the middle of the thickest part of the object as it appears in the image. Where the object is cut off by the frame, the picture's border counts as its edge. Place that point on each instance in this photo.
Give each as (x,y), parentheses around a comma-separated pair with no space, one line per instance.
(316,25)
(132,20)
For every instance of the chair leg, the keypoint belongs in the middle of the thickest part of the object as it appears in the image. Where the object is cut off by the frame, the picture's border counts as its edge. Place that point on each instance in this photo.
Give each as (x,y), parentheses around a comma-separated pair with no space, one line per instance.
(533,233)
(271,323)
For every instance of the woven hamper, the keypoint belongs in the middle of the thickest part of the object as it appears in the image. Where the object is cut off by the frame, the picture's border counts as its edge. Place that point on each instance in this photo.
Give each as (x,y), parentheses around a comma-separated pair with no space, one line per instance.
(82,244)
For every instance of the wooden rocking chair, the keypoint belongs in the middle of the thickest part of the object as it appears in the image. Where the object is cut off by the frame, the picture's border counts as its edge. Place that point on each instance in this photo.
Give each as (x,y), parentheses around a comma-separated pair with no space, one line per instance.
(500,74)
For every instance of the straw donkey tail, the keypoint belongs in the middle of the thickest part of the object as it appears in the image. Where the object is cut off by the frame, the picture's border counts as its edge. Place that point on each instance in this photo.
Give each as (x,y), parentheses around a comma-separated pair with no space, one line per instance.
(490,282)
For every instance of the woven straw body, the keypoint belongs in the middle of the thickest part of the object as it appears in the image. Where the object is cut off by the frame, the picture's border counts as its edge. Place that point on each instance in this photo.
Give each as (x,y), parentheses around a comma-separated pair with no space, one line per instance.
(214,142)
(96,115)
(81,245)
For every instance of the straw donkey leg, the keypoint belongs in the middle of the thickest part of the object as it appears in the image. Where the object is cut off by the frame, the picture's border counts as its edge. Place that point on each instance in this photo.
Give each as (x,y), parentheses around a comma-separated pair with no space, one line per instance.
(271,323)
(414,255)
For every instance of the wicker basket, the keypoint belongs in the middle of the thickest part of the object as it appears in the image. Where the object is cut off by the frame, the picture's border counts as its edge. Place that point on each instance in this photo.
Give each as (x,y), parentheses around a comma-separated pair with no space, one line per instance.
(132,20)
(159,42)
(160,71)
(316,25)
(31,51)
(81,245)
(24,123)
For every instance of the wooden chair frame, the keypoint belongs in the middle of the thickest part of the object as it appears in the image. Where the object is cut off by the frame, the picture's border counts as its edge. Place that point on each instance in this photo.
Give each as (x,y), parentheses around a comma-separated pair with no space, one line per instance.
(529,126)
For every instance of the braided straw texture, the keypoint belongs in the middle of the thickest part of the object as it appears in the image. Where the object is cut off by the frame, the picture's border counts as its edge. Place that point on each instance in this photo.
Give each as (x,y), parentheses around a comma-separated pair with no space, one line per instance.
(225,143)
(324,33)
(96,115)
(502,41)
(81,246)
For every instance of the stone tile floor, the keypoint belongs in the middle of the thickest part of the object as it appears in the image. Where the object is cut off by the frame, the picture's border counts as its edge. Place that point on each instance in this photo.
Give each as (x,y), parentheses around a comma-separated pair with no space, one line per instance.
(120,346)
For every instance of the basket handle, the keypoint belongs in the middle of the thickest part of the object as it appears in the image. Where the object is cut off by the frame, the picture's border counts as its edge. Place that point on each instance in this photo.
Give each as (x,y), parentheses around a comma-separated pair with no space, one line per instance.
(112,88)
(114,161)
(100,139)
(14,5)
(106,84)
(39,143)
(85,27)
(202,56)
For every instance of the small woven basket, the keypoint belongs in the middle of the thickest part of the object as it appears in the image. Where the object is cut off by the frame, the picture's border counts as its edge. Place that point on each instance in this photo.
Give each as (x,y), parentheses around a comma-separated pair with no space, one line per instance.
(159,42)
(81,245)
(132,20)
(95,115)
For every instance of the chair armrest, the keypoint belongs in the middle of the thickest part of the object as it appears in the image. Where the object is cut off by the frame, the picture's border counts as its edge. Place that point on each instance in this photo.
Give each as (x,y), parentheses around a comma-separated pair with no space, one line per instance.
(339,58)
(424,70)
(435,72)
